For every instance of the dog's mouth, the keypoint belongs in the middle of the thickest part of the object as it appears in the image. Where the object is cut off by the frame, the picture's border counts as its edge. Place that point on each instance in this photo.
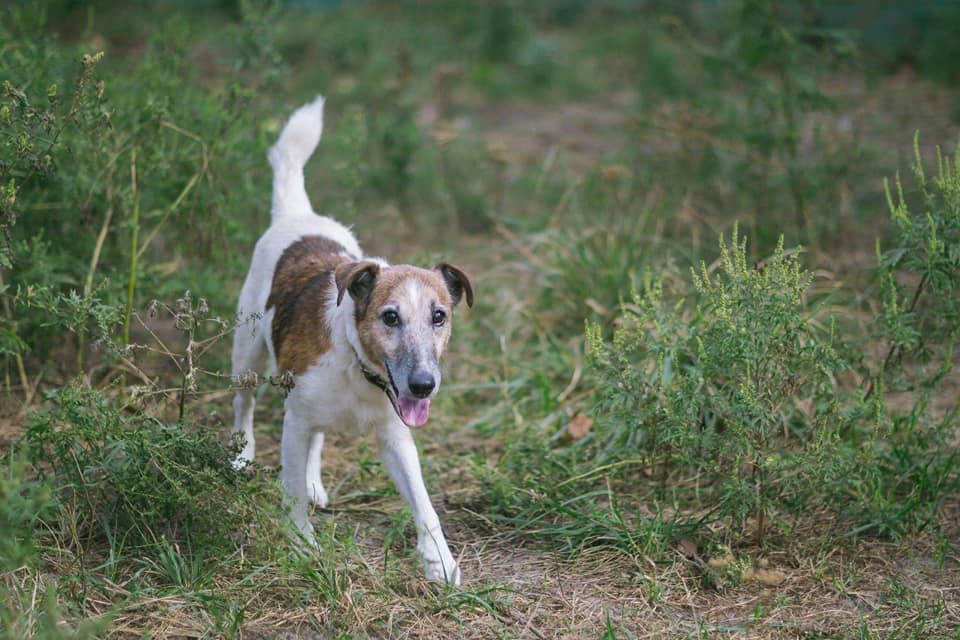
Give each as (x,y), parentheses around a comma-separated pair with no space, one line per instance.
(414,412)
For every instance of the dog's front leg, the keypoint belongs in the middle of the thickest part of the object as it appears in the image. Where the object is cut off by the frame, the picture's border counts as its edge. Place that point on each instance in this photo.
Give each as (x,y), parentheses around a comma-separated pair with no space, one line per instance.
(399,454)
(294,447)
(315,491)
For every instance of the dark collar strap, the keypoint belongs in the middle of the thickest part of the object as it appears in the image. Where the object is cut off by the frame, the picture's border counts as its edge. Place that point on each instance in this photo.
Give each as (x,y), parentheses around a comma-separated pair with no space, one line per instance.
(378,381)
(372,377)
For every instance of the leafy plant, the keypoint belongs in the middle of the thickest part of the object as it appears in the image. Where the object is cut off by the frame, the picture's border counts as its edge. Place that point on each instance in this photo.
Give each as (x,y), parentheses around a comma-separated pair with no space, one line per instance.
(115,165)
(139,480)
(719,390)
(913,463)
(922,320)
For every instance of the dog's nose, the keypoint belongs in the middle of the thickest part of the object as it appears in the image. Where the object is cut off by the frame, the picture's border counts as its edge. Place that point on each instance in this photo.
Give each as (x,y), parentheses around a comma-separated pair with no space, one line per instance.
(421,384)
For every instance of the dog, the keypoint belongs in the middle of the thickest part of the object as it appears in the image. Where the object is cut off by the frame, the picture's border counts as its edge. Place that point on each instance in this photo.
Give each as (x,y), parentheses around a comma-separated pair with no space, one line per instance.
(360,338)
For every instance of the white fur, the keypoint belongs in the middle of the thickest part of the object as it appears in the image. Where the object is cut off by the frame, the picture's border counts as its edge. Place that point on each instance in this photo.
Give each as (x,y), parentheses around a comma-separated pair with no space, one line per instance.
(332,394)
(297,141)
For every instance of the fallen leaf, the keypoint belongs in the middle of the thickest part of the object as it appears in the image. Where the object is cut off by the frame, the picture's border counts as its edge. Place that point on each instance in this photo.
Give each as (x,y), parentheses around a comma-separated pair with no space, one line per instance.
(580,426)
(766,577)
(687,547)
(720,562)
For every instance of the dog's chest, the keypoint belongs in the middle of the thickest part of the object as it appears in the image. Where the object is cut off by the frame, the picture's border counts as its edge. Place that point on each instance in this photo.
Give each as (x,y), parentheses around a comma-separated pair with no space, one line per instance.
(333,396)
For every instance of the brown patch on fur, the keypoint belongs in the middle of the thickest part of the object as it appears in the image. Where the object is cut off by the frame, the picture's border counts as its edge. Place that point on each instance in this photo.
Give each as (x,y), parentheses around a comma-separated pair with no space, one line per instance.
(389,290)
(299,292)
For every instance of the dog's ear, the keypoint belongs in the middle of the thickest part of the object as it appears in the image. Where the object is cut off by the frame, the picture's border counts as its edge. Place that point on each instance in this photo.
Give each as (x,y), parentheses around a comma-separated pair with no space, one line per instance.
(358,278)
(458,284)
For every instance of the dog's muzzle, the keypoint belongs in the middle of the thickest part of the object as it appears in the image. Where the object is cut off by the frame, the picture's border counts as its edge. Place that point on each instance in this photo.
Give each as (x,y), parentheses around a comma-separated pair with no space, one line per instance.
(414,411)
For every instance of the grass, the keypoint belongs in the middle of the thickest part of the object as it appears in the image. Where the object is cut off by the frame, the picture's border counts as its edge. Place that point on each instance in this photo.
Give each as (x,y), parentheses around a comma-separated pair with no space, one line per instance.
(618,481)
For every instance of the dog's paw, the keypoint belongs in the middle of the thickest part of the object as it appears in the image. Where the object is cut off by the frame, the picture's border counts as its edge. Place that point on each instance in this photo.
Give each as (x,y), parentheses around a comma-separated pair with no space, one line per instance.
(438,562)
(303,537)
(244,458)
(317,494)
(443,572)
(303,544)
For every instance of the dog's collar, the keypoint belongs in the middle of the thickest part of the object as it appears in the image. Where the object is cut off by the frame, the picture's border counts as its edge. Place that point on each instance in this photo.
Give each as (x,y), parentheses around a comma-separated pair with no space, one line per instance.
(387,386)
(372,377)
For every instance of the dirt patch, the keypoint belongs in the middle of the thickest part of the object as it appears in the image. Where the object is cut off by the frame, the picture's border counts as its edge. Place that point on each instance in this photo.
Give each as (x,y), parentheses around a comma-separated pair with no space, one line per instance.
(530,134)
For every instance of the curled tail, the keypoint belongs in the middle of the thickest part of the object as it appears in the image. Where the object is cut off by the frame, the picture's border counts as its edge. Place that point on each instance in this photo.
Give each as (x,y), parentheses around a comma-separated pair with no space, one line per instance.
(294,147)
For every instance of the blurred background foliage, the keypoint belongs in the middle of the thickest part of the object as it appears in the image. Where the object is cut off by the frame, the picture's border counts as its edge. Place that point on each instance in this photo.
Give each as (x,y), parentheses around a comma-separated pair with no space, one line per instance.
(195,91)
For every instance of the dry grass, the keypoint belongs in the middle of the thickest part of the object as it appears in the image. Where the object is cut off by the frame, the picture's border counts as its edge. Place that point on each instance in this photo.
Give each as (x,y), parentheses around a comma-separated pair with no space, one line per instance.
(512,590)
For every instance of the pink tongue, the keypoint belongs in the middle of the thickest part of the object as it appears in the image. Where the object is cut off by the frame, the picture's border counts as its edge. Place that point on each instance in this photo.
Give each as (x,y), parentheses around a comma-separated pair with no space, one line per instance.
(413,411)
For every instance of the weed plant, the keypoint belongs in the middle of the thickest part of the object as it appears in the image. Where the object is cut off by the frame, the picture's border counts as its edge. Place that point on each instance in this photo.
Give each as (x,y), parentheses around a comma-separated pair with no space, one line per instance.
(914,464)
(749,392)
(740,389)
(117,168)
(140,481)
(921,319)
(730,403)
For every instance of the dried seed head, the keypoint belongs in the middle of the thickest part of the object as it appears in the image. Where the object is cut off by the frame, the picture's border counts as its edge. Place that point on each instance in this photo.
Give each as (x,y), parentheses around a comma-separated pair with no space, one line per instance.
(247,380)
(283,381)
(184,303)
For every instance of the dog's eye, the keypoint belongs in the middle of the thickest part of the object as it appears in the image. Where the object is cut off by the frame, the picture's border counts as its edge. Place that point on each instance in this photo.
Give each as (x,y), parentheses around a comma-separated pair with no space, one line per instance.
(390,318)
(439,317)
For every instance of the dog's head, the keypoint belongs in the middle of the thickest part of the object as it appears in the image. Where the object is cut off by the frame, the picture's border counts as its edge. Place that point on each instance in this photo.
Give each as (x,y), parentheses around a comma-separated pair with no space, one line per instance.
(403,316)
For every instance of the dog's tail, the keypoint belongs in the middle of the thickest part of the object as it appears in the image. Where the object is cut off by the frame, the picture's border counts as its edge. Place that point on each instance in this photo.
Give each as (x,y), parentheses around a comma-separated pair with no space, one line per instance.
(294,147)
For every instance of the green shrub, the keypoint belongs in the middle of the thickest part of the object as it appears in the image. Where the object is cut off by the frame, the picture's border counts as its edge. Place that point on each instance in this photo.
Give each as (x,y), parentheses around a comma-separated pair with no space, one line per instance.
(26,503)
(911,464)
(129,478)
(126,158)
(921,319)
(748,391)
(741,389)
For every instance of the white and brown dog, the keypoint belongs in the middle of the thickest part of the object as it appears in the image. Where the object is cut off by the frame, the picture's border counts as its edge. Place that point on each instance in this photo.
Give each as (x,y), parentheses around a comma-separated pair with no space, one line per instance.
(361,338)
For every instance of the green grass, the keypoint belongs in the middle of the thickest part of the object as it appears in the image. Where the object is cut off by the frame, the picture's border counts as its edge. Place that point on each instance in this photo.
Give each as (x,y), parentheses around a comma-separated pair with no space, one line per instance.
(641,431)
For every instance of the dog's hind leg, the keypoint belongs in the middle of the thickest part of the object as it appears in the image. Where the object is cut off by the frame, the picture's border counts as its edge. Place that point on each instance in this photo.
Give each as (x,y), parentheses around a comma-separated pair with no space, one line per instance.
(249,356)
(315,490)
(399,454)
